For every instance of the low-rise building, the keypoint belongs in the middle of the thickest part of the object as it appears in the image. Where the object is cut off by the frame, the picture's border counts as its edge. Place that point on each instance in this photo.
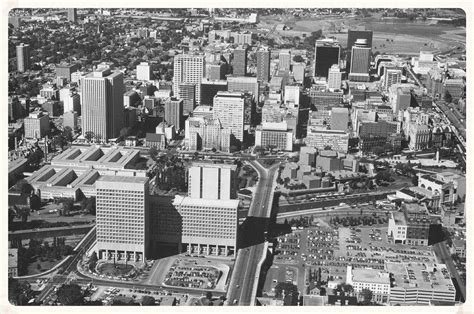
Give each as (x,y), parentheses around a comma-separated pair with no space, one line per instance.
(274,135)
(372,279)
(419,283)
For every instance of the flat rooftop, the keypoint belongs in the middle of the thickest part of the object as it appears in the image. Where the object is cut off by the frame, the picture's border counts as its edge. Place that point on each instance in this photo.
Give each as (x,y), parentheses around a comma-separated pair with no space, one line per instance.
(124,179)
(211,164)
(399,218)
(420,275)
(370,275)
(188,201)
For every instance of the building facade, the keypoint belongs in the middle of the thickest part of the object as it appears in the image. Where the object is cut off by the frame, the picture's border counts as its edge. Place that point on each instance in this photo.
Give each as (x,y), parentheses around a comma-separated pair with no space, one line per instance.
(23,57)
(122,218)
(263,65)
(327,53)
(174,112)
(102,103)
(189,68)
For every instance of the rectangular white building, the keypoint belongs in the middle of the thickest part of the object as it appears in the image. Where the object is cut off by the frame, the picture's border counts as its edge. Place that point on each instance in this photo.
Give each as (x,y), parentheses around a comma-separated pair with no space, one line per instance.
(122,217)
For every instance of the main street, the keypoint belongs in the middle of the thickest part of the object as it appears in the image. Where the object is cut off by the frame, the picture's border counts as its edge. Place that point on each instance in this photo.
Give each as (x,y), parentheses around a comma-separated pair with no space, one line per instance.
(245,269)
(444,256)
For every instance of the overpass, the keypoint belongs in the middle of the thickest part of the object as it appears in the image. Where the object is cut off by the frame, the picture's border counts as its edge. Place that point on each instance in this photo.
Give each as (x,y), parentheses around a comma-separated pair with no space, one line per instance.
(253,248)
(48,232)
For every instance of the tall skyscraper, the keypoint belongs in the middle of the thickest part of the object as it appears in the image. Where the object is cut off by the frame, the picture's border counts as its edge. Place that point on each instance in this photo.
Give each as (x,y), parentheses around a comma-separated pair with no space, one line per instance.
(352,36)
(189,68)
(174,112)
(229,109)
(23,57)
(360,61)
(210,220)
(122,218)
(239,62)
(209,89)
(187,92)
(144,71)
(327,52)
(334,77)
(284,59)
(212,181)
(72,15)
(391,76)
(102,103)
(263,65)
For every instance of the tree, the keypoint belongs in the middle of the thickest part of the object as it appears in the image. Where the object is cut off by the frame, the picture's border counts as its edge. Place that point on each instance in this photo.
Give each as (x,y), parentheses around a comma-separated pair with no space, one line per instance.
(68,134)
(24,187)
(59,140)
(377,150)
(209,295)
(147,300)
(70,294)
(18,291)
(153,152)
(89,135)
(23,213)
(366,296)
(298,58)
(68,205)
(287,287)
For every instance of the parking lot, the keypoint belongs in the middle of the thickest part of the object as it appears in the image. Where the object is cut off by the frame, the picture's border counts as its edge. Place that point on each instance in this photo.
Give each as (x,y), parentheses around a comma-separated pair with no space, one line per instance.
(332,249)
(188,268)
(107,294)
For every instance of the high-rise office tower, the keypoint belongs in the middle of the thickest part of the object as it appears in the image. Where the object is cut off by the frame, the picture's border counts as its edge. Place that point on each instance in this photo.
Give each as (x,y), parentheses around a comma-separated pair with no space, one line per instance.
(352,36)
(23,57)
(263,65)
(189,68)
(334,77)
(243,84)
(339,119)
(292,94)
(212,181)
(284,59)
(71,100)
(209,213)
(209,89)
(229,109)
(72,15)
(122,218)
(144,72)
(174,112)
(360,61)
(216,71)
(102,103)
(326,53)
(392,76)
(187,92)
(239,62)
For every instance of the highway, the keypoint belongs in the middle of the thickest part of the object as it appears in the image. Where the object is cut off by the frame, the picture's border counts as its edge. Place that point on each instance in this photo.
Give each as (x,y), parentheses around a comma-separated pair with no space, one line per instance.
(444,256)
(245,268)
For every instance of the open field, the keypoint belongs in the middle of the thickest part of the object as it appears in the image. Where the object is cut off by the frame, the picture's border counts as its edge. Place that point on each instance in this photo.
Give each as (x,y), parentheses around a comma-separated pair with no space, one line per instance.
(408,37)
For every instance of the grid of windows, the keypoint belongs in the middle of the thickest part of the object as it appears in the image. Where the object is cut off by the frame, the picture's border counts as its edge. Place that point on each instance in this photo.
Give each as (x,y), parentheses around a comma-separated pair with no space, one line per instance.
(209,222)
(120,216)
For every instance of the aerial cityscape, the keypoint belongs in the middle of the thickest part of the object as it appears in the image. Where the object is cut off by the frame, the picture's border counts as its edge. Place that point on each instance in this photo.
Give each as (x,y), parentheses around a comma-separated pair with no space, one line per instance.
(237,157)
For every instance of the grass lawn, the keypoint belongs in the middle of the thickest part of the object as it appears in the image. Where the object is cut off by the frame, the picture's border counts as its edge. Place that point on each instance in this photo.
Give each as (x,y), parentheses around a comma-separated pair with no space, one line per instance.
(108,269)
(44,266)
